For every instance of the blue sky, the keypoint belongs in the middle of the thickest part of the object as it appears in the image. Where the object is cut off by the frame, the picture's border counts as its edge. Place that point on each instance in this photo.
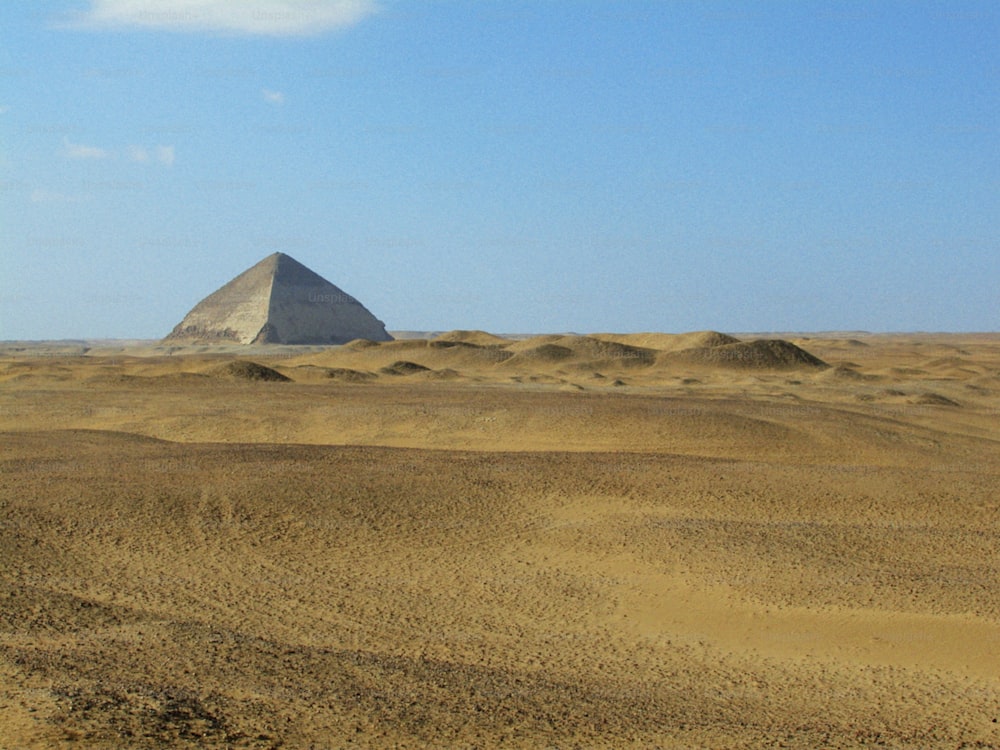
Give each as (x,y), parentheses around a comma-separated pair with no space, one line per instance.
(515,166)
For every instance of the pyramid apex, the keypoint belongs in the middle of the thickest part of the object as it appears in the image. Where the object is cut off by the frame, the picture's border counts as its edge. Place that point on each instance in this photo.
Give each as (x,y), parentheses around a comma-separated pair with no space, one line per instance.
(280,301)
(276,257)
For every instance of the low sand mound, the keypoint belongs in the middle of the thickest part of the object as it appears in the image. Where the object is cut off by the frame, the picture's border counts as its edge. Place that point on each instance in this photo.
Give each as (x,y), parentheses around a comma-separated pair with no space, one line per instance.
(403,345)
(185,378)
(537,379)
(348,375)
(359,344)
(545,353)
(586,352)
(595,349)
(445,374)
(524,345)
(704,339)
(310,373)
(464,353)
(403,367)
(954,367)
(438,344)
(39,371)
(586,348)
(110,378)
(242,369)
(479,338)
(844,372)
(761,354)
(933,399)
(434,355)
(160,375)
(669,342)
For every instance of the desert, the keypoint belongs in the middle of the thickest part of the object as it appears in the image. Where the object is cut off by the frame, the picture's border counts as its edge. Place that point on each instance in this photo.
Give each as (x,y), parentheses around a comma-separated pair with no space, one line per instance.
(471,375)
(470,540)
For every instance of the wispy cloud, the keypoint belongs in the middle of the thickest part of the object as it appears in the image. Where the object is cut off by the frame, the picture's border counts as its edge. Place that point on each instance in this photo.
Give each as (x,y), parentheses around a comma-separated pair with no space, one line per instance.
(273,97)
(80,151)
(254,17)
(4,110)
(138,153)
(165,155)
(162,154)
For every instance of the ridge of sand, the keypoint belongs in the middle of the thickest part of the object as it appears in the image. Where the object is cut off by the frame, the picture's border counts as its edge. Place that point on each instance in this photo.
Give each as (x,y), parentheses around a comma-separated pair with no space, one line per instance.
(667,342)
(581,352)
(480,338)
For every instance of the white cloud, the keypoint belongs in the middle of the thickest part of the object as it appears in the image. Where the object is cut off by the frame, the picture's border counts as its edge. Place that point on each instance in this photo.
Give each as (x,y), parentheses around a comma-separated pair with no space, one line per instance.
(4,110)
(139,154)
(79,151)
(273,97)
(165,155)
(255,17)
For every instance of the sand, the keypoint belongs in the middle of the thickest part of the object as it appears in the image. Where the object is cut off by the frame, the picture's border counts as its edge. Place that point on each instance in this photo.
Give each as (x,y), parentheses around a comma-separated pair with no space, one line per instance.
(560,541)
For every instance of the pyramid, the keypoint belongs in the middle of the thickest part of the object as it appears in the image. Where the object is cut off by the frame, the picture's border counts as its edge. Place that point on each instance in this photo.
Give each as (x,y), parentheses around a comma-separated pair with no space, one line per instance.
(278,301)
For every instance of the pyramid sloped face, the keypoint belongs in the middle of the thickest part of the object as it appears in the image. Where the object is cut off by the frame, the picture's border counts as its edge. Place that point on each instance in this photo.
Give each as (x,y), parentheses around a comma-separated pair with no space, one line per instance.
(305,308)
(279,301)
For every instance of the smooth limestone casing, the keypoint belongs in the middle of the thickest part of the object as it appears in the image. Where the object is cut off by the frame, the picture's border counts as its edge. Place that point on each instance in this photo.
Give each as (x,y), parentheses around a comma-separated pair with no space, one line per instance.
(279,301)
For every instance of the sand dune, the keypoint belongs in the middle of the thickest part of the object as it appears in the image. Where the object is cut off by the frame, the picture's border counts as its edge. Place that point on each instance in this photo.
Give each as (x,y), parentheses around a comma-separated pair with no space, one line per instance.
(479,338)
(557,354)
(671,342)
(760,354)
(242,369)
(476,542)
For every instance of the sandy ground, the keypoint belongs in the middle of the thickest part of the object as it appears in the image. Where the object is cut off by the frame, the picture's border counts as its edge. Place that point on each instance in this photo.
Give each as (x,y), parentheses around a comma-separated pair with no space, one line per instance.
(600,541)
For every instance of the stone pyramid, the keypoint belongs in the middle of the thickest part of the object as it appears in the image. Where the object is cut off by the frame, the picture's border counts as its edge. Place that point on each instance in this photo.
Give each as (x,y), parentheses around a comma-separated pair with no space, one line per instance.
(279,301)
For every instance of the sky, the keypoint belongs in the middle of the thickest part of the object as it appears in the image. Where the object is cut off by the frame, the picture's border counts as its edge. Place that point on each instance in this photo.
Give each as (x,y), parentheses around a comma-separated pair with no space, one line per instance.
(587,166)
